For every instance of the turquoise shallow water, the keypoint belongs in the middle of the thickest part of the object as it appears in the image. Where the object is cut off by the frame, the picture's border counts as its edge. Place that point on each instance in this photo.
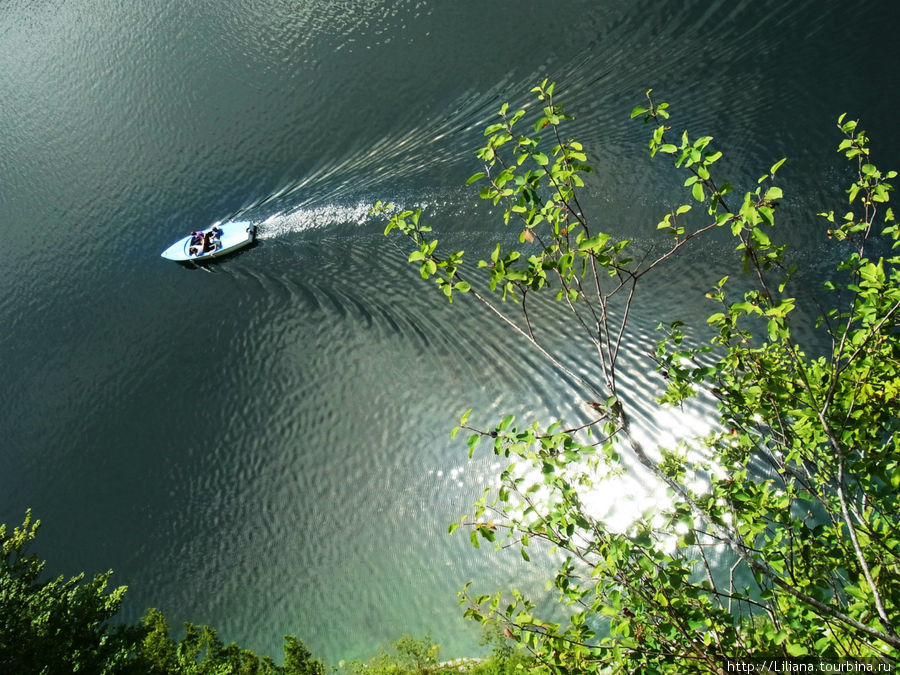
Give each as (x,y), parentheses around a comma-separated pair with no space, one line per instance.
(265,447)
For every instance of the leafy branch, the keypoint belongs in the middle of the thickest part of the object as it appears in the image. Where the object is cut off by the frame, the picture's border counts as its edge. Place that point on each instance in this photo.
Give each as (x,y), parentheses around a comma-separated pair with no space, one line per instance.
(796,488)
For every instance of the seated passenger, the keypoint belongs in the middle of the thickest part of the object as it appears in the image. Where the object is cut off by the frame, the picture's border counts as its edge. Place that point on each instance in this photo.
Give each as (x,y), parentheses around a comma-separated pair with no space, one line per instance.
(209,242)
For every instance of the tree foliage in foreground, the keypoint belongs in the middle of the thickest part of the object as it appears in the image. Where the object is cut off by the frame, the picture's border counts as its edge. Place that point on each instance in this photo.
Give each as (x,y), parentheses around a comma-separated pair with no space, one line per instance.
(60,626)
(55,625)
(782,535)
(419,656)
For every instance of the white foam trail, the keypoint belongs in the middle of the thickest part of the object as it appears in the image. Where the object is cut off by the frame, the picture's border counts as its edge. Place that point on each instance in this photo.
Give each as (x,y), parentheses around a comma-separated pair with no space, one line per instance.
(312,218)
(320,217)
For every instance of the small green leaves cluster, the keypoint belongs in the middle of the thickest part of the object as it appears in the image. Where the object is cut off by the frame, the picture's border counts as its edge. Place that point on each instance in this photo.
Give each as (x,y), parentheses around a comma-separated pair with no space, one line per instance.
(870,190)
(201,651)
(651,111)
(414,656)
(443,270)
(539,191)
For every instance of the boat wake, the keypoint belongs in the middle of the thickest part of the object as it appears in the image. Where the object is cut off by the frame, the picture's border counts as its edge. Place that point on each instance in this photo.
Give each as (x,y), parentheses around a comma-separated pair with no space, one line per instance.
(314,218)
(323,216)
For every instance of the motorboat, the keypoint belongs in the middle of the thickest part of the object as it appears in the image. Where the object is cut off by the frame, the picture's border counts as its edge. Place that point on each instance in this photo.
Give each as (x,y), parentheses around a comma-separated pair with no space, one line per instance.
(215,241)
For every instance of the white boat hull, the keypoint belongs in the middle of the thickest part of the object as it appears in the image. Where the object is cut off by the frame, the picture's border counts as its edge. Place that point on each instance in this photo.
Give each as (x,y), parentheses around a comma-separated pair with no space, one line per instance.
(234,236)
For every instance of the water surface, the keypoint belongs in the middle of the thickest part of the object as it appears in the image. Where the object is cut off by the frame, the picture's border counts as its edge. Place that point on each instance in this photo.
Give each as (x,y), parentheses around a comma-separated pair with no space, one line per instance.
(264,447)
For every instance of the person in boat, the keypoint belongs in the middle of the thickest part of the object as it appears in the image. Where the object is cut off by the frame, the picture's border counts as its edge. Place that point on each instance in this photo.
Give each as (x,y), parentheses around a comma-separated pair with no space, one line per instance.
(211,240)
(196,244)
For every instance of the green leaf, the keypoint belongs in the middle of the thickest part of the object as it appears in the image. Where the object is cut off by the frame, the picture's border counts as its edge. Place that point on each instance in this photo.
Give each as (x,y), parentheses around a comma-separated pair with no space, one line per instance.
(769,217)
(796,650)
(873,275)
(697,191)
(595,243)
(637,111)
(472,442)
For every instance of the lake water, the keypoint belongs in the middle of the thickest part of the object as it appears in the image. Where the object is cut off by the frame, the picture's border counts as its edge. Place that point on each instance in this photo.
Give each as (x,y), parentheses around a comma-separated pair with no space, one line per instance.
(264,446)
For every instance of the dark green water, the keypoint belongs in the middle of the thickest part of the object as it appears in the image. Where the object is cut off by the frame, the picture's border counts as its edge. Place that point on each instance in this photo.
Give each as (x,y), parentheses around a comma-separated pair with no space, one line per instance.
(265,447)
